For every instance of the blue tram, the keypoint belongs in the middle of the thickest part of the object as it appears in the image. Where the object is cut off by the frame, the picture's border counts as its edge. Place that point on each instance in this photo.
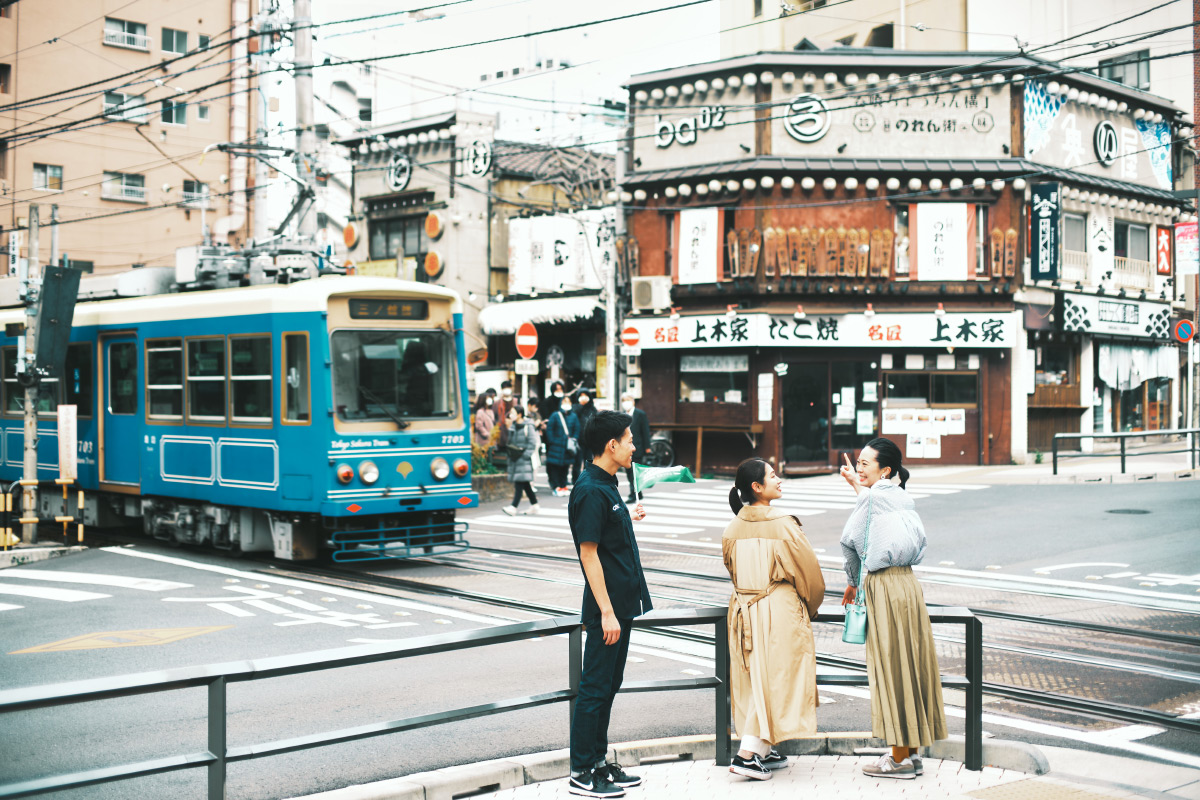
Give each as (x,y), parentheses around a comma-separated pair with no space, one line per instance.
(327,414)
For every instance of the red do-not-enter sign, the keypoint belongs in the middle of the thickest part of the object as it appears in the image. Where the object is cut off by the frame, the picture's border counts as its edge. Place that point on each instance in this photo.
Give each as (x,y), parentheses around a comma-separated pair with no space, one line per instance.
(527,340)
(630,337)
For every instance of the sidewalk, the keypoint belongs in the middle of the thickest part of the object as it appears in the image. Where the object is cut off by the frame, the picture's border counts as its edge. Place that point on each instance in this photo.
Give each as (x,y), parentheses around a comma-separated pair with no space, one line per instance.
(1104,466)
(679,769)
(21,553)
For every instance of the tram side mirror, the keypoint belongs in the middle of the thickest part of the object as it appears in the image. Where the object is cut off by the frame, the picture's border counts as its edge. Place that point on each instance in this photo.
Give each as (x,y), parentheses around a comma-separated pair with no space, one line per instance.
(293,377)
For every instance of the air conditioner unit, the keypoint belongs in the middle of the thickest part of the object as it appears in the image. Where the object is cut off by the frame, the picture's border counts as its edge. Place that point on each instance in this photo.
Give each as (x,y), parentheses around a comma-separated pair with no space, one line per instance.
(652,293)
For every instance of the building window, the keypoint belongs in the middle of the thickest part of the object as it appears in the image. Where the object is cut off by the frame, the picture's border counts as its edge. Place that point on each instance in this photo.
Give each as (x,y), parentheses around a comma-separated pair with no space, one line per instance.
(128,107)
(202,113)
(202,41)
(250,378)
(195,194)
(174,41)
(206,380)
(1054,364)
(1075,233)
(929,389)
(399,237)
(5,77)
(1131,69)
(48,177)
(880,36)
(901,224)
(296,403)
(757,8)
(714,379)
(123,186)
(4,159)
(164,379)
(174,113)
(6,12)
(1132,241)
(982,261)
(123,33)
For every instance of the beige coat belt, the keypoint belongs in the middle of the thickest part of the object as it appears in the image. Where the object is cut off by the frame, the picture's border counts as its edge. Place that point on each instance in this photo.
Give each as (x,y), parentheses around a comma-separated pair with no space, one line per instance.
(742,629)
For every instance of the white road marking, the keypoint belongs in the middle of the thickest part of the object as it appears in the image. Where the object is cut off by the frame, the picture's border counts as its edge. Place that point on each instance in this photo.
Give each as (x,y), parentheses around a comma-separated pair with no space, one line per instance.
(1056,567)
(49,593)
(1123,575)
(229,608)
(298,603)
(544,523)
(263,605)
(96,579)
(7,607)
(383,625)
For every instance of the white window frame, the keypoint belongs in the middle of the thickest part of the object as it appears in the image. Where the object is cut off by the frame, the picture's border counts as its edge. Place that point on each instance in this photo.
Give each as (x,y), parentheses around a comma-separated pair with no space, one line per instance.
(130,108)
(175,109)
(202,112)
(117,186)
(45,177)
(174,33)
(131,36)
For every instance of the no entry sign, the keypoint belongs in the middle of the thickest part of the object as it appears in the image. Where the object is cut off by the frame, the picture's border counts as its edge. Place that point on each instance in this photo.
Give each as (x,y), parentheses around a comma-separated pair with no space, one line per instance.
(630,337)
(527,340)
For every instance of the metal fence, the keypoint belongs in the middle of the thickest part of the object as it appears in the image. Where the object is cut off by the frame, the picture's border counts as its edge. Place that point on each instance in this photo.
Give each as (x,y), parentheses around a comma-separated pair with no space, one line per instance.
(1192,448)
(218,677)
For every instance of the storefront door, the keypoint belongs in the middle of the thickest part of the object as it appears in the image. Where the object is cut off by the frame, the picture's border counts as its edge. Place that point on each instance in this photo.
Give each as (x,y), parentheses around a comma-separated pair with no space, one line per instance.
(806,414)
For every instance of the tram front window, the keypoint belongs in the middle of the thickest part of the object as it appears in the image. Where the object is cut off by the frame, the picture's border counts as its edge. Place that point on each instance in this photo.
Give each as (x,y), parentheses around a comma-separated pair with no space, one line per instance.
(393,375)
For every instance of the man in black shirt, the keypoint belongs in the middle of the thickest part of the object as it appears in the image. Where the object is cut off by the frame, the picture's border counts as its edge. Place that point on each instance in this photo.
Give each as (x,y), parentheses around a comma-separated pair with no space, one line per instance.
(614,593)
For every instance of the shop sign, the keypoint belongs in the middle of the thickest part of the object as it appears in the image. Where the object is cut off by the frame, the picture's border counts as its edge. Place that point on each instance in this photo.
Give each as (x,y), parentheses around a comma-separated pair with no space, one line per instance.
(715,363)
(1047,203)
(1163,259)
(699,250)
(972,329)
(1057,134)
(1187,257)
(476,158)
(942,242)
(807,119)
(1118,316)
(399,172)
(684,131)
(556,252)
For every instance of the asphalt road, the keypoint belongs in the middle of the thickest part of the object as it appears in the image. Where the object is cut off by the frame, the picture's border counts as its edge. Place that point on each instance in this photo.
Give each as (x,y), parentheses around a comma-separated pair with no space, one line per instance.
(1053,550)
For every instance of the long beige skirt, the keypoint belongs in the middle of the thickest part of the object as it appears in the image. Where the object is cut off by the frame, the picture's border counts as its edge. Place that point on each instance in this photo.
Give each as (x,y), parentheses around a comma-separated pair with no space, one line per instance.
(902,665)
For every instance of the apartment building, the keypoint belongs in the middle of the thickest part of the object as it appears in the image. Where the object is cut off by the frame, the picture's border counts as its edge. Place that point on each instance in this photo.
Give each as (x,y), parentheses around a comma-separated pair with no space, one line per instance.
(110,115)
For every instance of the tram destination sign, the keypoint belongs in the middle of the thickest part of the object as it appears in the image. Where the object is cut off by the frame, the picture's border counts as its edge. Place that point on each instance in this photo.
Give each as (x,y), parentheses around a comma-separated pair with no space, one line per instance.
(389,309)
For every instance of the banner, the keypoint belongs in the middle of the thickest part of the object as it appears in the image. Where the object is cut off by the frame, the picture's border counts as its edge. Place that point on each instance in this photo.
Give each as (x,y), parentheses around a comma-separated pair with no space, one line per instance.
(699,247)
(942,253)
(1046,208)
(644,477)
(1187,260)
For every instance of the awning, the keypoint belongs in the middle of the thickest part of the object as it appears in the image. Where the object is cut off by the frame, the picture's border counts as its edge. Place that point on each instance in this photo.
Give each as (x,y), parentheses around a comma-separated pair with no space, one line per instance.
(500,319)
(1127,366)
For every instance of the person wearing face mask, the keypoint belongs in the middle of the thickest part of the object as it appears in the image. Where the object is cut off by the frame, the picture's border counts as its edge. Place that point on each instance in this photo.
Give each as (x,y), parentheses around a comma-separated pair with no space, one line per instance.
(552,401)
(484,421)
(641,439)
(562,443)
(500,409)
(585,410)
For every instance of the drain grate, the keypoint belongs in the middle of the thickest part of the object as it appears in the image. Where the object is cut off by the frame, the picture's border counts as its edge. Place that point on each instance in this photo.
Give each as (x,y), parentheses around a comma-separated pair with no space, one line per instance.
(1127,511)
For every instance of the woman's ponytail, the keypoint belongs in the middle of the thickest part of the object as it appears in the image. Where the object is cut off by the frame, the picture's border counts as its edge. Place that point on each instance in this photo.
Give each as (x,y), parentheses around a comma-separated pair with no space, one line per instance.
(887,454)
(735,500)
(904,473)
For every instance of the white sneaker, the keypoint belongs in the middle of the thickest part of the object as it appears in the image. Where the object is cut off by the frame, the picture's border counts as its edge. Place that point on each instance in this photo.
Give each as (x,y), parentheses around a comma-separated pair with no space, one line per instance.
(533,510)
(510,510)
(886,768)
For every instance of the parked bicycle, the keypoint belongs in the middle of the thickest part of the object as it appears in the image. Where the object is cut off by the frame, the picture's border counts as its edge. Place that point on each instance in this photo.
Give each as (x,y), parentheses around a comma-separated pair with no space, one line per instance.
(661,454)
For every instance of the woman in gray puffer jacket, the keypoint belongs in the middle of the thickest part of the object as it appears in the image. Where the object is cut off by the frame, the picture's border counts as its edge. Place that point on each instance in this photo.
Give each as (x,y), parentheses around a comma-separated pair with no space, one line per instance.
(521,434)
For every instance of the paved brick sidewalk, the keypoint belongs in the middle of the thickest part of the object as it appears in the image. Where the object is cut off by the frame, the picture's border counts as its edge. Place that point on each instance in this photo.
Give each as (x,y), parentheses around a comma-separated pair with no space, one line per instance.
(837,777)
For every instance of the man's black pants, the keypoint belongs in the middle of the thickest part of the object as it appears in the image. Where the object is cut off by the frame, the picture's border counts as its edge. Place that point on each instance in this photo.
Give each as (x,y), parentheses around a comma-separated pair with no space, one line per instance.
(603,671)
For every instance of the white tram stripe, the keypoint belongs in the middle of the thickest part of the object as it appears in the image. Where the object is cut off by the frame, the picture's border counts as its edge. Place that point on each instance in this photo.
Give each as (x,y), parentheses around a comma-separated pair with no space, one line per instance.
(48,593)
(96,579)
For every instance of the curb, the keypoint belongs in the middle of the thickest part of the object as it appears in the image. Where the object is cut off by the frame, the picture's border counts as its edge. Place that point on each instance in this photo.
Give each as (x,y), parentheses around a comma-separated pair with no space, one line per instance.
(509,773)
(28,555)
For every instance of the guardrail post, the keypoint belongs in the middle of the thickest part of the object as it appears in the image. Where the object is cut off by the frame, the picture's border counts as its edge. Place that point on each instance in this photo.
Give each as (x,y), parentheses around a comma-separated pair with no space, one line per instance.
(1122,455)
(1192,447)
(574,668)
(721,662)
(973,740)
(217,730)
(1054,452)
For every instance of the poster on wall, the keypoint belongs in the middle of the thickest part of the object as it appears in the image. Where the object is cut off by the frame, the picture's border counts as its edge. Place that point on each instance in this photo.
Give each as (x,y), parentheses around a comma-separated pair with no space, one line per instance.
(698,250)
(915,445)
(1187,259)
(941,241)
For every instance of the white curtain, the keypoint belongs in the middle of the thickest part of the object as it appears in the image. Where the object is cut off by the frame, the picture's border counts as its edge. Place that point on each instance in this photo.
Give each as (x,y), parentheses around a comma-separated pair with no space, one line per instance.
(1127,366)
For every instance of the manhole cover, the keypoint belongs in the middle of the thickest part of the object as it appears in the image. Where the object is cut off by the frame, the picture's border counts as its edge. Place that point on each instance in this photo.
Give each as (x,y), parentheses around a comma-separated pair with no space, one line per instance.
(1127,511)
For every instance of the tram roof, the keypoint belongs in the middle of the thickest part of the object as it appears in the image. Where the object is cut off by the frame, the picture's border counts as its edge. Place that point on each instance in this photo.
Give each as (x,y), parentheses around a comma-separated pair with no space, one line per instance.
(307,295)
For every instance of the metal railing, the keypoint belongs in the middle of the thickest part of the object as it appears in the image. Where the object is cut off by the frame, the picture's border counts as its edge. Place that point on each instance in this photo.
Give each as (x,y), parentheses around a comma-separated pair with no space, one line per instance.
(136,41)
(1193,441)
(197,200)
(1133,273)
(216,678)
(119,191)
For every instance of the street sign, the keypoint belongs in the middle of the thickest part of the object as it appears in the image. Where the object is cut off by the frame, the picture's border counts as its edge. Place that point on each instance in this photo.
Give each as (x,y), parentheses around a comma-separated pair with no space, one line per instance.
(14,252)
(1184,330)
(527,366)
(630,337)
(527,341)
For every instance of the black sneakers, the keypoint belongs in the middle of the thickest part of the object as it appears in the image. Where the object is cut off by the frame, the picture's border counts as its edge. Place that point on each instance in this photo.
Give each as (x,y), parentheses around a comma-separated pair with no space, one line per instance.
(595,783)
(752,767)
(621,778)
(774,760)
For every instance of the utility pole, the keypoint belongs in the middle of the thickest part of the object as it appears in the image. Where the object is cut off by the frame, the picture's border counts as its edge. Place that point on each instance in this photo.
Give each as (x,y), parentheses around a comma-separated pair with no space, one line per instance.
(306,144)
(54,254)
(30,283)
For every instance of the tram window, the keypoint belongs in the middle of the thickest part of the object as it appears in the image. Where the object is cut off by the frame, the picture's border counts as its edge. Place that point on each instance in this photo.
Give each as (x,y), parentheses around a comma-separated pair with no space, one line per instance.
(382,375)
(206,379)
(14,392)
(77,388)
(250,378)
(122,378)
(164,379)
(296,408)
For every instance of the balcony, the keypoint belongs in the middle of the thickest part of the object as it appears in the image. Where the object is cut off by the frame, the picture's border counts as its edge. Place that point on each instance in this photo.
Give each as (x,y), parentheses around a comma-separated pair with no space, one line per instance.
(197,200)
(133,41)
(1132,273)
(1076,266)
(130,194)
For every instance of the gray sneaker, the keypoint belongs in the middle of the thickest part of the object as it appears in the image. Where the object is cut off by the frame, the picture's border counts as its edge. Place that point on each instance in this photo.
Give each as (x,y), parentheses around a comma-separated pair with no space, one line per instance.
(886,768)
(918,764)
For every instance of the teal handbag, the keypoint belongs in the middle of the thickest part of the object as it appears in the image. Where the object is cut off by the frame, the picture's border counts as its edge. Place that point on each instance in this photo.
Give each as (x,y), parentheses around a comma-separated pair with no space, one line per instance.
(855,628)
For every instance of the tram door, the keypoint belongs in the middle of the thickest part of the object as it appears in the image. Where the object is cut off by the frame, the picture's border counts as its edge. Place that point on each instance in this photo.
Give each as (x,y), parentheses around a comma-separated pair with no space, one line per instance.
(120,438)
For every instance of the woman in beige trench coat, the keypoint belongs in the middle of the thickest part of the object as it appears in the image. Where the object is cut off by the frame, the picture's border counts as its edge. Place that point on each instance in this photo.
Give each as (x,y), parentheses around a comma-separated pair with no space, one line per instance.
(778,587)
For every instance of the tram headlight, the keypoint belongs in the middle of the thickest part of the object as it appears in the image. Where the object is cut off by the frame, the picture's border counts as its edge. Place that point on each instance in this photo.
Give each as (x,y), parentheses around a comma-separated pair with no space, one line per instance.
(461,467)
(440,468)
(368,472)
(345,473)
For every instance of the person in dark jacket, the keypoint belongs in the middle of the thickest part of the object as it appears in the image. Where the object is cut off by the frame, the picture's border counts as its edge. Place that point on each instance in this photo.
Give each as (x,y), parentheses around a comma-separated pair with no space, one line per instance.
(585,410)
(522,434)
(640,428)
(561,428)
(552,400)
